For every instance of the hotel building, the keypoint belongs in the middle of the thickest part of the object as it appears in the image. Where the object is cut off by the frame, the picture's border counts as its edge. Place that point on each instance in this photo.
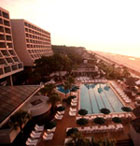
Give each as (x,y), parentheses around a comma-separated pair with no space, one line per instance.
(9,61)
(31,42)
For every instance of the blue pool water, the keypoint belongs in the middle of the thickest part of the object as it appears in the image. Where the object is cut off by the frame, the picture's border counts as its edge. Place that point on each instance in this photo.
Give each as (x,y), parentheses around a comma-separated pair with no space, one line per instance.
(94,97)
(60,88)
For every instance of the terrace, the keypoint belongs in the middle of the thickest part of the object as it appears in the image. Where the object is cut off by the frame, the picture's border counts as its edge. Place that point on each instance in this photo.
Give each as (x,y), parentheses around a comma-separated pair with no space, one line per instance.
(121,135)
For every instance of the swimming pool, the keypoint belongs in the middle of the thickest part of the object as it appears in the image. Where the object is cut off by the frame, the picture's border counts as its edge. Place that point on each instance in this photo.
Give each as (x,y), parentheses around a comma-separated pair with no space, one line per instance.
(94,97)
(61,89)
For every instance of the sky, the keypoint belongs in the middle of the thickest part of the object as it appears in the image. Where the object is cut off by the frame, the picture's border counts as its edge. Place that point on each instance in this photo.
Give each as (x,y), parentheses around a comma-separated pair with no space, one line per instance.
(102,25)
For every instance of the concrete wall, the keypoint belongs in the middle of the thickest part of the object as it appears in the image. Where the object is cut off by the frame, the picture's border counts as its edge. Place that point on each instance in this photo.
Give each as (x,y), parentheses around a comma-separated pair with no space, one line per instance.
(20,42)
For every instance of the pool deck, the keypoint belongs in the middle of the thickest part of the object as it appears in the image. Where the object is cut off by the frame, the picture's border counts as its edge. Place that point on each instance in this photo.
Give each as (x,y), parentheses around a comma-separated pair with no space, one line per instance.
(69,121)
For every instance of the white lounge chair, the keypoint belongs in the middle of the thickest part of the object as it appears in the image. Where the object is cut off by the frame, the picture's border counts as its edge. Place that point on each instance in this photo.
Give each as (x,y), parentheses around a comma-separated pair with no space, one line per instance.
(73,109)
(31,143)
(73,104)
(58,117)
(35,135)
(61,112)
(39,128)
(32,140)
(51,130)
(72,113)
(36,132)
(48,136)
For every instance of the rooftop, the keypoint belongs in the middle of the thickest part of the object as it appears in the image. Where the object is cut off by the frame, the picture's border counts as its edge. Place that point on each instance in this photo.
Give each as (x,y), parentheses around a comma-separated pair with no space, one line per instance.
(13,97)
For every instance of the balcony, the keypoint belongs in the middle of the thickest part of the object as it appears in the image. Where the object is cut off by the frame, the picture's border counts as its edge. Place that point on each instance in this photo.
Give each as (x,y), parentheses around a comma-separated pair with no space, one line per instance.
(2,37)
(8,38)
(12,52)
(14,67)
(4,52)
(1,29)
(1,71)
(15,59)
(9,60)
(7,30)
(5,15)
(20,65)
(3,62)
(9,45)
(6,23)
(7,69)
(1,21)
(2,45)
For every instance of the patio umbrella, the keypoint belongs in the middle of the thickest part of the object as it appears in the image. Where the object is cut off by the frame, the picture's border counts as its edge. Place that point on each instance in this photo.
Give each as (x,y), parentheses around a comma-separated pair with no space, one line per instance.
(72,96)
(60,108)
(116,120)
(87,85)
(50,124)
(126,109)
(106,88)
(105,111)
(72,131)
(73,90)
(99,120)
(100,90)
(82,112)
(92,85)
(82,121)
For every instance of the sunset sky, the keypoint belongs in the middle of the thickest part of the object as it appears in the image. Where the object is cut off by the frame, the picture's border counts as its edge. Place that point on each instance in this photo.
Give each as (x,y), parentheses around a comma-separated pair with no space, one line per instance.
(103,25)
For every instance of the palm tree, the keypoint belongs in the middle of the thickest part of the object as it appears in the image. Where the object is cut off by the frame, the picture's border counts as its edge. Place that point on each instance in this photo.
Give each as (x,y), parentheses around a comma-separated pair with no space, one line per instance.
(48,89)
(66,86)
(78,139)
(70,81)
(53,99)
(18,119)
(125,73)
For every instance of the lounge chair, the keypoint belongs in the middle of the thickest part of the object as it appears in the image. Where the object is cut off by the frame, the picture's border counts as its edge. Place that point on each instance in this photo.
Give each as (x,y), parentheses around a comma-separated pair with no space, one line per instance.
(36,132)
(32,140)
(73,104)
(73,109)
(39,129)
(31,143)
(35,135)
(51,130)
(48,136)
(67,140)
(72,113)
(58,105)
(58,117)
(61,112)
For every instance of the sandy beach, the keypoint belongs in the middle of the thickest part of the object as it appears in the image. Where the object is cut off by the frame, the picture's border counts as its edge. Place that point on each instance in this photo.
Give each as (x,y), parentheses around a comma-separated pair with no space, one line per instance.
(128,61)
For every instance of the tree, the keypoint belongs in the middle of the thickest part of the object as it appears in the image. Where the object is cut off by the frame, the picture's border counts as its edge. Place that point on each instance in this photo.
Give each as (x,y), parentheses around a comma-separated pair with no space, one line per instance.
(48,89)
(53,99)
(77,140)
(125,72)
(70,82)
(18,119)
(66,87)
